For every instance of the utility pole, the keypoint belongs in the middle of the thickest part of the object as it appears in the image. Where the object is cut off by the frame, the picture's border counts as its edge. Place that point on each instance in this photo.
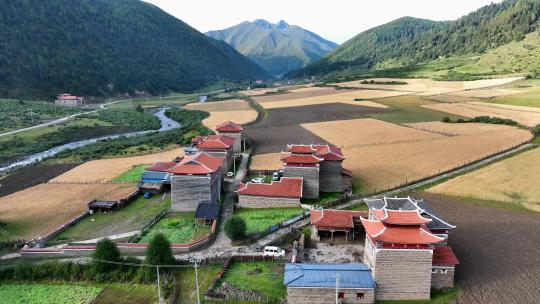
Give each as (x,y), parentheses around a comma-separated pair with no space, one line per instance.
(158,286)
(337,288)
(195,261)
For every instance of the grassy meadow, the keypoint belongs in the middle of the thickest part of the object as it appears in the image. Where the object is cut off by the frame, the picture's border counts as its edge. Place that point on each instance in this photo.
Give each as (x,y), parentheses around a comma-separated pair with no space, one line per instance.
(258,220)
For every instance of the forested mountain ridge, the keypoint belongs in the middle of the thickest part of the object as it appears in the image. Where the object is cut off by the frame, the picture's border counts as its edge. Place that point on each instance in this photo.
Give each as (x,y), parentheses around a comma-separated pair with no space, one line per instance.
(409,40)
(278,48)
(108,47)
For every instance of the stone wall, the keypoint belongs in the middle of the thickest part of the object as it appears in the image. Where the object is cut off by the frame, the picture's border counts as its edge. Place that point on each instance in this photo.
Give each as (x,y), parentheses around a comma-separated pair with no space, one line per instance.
(442,277)
(311,179)
(248,201)
(330,176)
(237,147)
(187,191)
(327,295)
(402,274)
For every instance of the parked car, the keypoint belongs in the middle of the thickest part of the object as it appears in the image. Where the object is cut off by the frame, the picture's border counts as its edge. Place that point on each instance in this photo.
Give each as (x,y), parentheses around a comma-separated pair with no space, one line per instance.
(258,180)
(272,251)
(275,176)
(230,174)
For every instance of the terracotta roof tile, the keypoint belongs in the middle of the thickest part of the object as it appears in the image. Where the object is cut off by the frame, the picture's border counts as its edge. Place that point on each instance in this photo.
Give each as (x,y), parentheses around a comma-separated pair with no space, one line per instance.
(444,256)
(400,217)
(161,167)
(197,164)
(417,235)
(335,218)
(213,142)
(291,158)
(230,127)
(289,187)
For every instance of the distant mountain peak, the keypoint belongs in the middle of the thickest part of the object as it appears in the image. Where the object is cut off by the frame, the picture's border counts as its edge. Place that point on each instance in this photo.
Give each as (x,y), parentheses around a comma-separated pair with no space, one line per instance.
(268,25)
(282,24)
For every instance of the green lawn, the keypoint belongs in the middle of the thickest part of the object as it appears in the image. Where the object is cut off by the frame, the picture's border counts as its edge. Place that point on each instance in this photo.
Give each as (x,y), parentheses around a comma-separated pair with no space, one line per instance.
(129,218)
(408,109)
(48,293)
(117,293)
(186,281)
(258,220)
(132,175)
(265,278)
(324,199)
(178,228)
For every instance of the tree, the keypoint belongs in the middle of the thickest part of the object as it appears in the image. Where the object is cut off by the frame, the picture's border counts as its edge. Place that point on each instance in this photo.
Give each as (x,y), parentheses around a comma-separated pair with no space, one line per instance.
(106,250)
(235,227)
(139,108)
(159,251)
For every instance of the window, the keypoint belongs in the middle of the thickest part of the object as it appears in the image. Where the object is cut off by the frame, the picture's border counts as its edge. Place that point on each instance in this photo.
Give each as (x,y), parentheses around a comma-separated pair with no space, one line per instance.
(341,295)
(359,295)
(433,270)
(444,271)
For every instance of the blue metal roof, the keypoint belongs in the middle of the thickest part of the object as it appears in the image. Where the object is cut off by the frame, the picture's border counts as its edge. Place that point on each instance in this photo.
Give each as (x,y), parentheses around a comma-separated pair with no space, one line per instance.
(155,177)
(351,275)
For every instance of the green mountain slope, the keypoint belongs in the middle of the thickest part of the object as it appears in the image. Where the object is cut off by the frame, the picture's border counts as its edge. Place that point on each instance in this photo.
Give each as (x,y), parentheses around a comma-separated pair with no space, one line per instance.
(408,41)
(278,48)
(107,47)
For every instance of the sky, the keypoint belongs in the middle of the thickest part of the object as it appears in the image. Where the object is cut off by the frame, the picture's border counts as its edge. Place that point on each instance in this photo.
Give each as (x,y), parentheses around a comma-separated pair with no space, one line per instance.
(337,20)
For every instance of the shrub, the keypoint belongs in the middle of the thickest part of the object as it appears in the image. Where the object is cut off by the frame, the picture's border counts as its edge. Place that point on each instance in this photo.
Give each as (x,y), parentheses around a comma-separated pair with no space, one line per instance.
(536,130)
(446,119)
(106,250)
(235,227)
(159,250)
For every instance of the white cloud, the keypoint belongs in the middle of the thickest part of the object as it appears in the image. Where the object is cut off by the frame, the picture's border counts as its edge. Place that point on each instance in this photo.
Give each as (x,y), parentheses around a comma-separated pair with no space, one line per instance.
(337,20)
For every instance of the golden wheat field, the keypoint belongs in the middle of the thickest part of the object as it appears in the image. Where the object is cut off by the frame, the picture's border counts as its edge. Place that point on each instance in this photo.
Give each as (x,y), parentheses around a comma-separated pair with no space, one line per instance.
(107,169)
(524,115)
(458,128)
(483,93)
(268,161)
(513,180)
(366,131)
(345,97)
(390,165)
(259,92)
(41,209)
(236,110)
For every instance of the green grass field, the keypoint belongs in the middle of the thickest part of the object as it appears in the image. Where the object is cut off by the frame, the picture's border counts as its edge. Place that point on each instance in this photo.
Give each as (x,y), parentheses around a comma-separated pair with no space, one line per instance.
(117,293)
(265,278)
(186,281)
(408,109)
(178,228)
(48,293)
(529,98)
(129,218)
(154,102)
(133,175)
(258,220)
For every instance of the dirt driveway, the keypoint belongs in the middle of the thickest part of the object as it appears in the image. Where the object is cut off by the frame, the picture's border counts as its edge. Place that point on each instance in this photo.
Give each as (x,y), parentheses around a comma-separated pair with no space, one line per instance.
(499,251)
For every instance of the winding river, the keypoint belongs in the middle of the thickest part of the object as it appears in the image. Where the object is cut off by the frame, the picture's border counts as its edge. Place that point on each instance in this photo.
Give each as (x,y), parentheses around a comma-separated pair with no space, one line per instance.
(166,125)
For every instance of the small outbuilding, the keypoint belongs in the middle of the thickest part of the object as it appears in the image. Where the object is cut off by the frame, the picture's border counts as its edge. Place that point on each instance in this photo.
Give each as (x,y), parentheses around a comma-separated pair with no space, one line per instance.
(284,193)
(327,223)
(321,283)
(443,267)
(102,206)
(232,130)
(207,212)
(155,182)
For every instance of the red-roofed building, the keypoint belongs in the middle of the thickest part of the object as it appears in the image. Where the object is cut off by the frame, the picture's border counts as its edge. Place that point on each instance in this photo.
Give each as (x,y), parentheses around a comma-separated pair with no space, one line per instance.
(218,146)
(325,223)
(443,268)
(69,100)
(195,178)
(232,130)
(284,193)
(399,244)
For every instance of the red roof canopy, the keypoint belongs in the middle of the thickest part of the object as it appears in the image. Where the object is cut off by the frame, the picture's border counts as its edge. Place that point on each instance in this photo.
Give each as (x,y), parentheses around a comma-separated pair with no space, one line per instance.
(289,187)
(301,149)
(291,158)
(229,127)
(335,218)
(444,256)
(161,167)
(418,235)
(213,142)
(400,217)
(197,164)
(326,152)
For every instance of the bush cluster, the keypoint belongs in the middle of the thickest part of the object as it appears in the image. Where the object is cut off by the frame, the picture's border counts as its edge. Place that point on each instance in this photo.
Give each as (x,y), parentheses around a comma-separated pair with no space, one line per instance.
(484,119)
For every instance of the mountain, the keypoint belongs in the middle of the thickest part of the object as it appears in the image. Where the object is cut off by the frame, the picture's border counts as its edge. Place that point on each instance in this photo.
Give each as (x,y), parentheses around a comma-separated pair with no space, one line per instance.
(278,48)
(409,41)
(108,47)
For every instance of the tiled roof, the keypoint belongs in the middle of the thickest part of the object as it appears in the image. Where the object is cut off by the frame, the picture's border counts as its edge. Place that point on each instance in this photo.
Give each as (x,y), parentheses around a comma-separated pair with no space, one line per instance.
(335,218)
(161,167)
(289,187)
(153,176)
(444,256)
(229,126)
(413,235)
(351,275)
(400,217)
(207,210)
(301,149)
(326,152)
(213,142)
(291,158)
(197,164)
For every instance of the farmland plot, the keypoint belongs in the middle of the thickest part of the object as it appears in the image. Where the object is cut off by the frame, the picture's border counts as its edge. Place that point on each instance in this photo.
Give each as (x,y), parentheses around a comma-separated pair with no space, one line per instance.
(236,110)
(104,170)
(483,93)
(300,93)
(368,131)
(45,207)
(390,165)
(510,180)
(524,115)
(268,161)
(454,129)
(48,293)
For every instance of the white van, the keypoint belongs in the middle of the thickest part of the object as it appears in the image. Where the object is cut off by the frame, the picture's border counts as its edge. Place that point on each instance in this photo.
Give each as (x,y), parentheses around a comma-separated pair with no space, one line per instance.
(272,251)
